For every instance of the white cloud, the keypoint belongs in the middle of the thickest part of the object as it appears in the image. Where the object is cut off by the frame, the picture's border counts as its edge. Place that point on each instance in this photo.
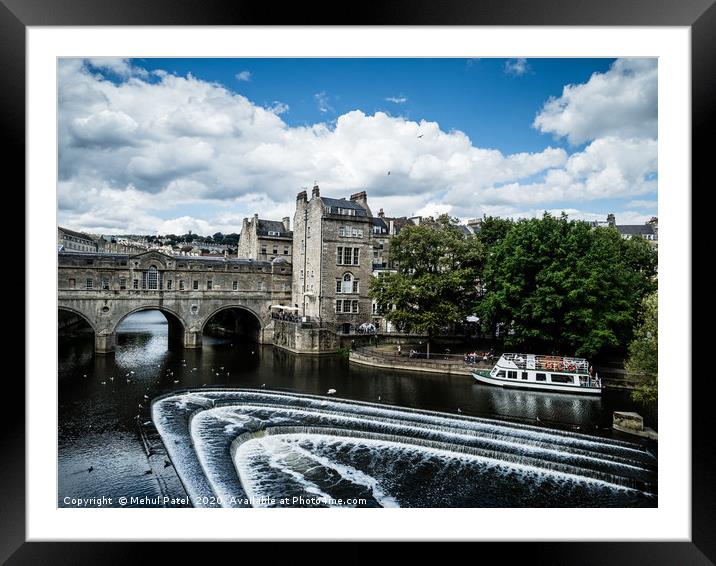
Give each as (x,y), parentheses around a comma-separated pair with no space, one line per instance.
(174,153)
(322,101)
(516,67)
(278,107)
(244,76)
(397,99)
(621,102)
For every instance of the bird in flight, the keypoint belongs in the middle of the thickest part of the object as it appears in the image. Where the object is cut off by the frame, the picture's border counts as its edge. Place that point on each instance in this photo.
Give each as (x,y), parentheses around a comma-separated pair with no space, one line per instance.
(420,136)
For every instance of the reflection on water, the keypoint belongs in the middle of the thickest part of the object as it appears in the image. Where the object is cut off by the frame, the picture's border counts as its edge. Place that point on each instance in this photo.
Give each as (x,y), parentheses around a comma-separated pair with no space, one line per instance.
(100,398)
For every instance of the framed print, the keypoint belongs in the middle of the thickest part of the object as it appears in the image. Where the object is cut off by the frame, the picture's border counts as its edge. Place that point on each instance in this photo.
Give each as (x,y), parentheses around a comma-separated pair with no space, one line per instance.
(405,265)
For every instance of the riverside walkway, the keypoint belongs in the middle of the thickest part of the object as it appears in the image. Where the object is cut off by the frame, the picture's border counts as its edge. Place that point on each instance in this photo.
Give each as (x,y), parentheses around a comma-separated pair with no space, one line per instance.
(387,357)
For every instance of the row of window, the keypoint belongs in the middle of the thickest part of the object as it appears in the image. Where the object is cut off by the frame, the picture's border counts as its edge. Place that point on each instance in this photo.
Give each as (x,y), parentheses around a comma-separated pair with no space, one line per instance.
(346,306)
(348,232)
(554,378)
(347,256)
(264,249)
(152,284)
(347,285)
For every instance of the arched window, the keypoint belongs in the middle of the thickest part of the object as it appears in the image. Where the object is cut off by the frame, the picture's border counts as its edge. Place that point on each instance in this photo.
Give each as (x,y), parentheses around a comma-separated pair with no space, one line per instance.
(347,283)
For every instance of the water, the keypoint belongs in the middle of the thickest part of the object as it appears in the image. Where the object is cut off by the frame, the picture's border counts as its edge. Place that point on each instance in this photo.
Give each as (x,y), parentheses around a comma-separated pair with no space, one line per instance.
(342,451)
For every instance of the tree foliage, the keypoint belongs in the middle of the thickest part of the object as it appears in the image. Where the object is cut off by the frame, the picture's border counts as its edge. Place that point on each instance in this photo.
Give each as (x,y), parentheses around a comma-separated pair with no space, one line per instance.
(643,360)
(564,285)
(436,282)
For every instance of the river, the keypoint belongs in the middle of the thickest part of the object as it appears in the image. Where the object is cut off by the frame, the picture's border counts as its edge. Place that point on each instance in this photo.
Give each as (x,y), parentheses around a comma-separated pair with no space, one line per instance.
(105,429)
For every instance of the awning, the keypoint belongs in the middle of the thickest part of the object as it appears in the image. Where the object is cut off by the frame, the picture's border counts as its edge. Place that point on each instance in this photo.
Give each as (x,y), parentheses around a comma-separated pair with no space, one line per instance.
(284,307)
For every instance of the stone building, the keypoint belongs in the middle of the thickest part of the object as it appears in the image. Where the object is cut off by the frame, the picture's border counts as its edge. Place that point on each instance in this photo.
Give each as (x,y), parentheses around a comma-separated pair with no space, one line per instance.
(333,260)
(264,240)
(72,241)
(649,230)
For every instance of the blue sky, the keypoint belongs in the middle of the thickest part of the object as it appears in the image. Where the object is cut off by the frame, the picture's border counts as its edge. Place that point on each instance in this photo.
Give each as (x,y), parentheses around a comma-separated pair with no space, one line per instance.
(494,108)
(469,137)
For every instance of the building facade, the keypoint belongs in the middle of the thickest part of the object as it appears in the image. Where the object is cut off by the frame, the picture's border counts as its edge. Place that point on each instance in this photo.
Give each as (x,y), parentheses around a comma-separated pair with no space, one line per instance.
(265,240)
(72,241)
(333,260)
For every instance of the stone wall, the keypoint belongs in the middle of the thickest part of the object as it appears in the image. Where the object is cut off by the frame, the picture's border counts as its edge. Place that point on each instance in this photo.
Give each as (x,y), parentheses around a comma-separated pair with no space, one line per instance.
(296,338)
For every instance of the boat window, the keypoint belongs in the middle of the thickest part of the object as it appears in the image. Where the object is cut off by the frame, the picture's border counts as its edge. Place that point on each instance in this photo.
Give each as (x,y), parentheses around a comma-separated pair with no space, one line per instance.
(512,374)
(557,378)
(501,373)
(541,377)
(524,375)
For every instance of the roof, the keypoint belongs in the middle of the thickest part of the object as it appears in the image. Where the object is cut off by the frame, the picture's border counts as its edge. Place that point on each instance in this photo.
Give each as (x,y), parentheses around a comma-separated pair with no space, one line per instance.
(636,229)
(271,225)
(377,221)
(341,203)
(75,234)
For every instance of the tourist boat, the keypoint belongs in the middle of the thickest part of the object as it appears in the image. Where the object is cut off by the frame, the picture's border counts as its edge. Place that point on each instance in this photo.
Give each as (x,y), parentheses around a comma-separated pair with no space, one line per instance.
(547,373)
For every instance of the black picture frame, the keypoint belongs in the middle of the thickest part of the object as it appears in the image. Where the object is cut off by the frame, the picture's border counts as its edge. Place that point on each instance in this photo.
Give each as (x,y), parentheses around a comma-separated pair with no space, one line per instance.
(699,15)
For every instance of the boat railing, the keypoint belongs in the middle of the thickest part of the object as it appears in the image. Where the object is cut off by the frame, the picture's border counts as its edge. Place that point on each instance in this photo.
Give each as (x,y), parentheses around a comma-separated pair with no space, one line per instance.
(548,363)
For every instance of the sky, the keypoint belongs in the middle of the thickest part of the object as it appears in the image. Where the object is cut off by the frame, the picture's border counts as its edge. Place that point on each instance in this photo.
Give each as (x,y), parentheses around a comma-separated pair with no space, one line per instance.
(158,146)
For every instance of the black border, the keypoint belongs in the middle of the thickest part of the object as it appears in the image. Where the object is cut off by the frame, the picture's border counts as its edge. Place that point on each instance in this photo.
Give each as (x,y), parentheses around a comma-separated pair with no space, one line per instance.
(699,15)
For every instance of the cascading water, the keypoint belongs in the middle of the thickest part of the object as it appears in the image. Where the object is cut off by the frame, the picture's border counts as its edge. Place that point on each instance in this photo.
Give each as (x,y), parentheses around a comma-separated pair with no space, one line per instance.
(238,448)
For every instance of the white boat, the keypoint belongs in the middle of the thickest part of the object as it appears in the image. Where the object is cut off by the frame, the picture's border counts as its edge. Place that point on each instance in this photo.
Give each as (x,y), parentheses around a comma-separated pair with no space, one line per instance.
(546,373)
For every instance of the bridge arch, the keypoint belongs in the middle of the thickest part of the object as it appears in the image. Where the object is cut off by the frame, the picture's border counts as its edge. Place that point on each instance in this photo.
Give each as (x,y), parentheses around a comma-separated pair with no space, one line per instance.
(79,313)
(237,319)
(176,324)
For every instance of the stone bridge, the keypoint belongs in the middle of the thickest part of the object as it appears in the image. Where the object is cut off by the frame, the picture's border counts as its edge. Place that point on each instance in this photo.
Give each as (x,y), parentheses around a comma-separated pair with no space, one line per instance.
(103,289)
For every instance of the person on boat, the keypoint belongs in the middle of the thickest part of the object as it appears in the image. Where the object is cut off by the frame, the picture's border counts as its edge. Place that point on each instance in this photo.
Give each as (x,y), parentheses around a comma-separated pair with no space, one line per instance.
(399,349)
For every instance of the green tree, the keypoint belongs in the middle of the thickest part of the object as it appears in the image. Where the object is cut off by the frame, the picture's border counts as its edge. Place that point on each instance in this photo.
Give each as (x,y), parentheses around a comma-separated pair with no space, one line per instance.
(564,285)
(643,360)
(436,283)
(493,230)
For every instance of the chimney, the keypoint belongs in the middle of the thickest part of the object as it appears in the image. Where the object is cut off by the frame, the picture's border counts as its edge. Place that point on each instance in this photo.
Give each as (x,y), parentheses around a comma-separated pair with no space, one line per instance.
(611,220)
(391,228)
(381,214)
(286,224)
(256,217)
(302,196)
(361,198)
(316,191)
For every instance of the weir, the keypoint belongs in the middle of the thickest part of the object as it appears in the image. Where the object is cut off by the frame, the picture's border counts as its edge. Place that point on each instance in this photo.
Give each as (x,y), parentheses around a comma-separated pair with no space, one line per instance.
(238,443)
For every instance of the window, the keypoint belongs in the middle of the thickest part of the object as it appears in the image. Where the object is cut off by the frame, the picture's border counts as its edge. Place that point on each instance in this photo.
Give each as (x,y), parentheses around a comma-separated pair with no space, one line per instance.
(501,373)
(235,285)
(196,284)
(347,254)
(285,250)
(169,284)
(274,233)
(524,375)
(355,256)
(341,231)
(512,374)
(181,285)
(260,286)
(275,249)
(263,249)
(347,283)
(339,305)
(89,283)
(541,377)
(135,284)
(122,283)
(152,278)
(557,378)
(209,285)
(339,285)
(355,285)
(72,283)
(354,306)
